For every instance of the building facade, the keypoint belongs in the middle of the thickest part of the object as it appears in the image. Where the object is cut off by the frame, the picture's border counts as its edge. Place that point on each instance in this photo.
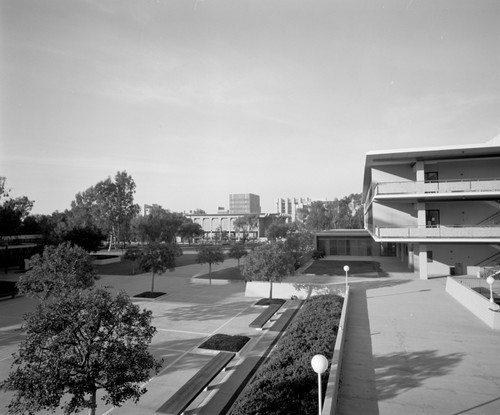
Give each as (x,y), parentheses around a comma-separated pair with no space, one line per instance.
(439,208)
(289,206)
(221,225)
(244,203)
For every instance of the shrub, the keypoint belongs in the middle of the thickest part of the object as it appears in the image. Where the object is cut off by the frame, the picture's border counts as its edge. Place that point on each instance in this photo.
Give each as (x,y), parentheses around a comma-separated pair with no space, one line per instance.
(286,383)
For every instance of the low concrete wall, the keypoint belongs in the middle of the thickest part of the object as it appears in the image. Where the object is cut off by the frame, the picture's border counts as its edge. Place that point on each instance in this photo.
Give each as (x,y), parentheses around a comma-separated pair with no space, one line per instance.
(332,389)
(476,303)
(97,261)
(289,289)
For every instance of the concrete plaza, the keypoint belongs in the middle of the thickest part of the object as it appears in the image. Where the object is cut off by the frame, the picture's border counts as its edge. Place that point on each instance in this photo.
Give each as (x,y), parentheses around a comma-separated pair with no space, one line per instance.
(410,347)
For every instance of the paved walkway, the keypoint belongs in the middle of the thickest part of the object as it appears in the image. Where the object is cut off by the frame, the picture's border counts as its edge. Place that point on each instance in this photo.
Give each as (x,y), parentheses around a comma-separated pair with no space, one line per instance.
(413,349)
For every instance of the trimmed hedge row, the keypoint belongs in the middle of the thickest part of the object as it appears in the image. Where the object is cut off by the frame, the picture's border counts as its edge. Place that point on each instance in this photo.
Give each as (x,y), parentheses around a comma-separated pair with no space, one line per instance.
(286,383)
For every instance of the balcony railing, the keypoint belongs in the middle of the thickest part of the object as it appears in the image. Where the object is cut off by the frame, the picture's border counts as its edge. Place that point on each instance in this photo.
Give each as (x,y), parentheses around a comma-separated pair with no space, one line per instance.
(439,232)
(444,186)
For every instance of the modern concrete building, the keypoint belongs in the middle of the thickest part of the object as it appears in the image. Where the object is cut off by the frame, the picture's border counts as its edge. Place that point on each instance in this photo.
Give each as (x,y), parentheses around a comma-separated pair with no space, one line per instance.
(221,225)
(289,206)
(244,203)
(438,208)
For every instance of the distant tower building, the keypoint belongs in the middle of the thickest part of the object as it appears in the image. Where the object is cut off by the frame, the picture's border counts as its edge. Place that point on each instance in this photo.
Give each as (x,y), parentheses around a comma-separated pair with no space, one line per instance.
(289,206)
(244,203)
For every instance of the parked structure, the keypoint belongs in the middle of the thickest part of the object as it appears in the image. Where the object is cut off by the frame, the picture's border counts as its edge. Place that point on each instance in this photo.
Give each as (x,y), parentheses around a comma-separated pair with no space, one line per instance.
(440,207)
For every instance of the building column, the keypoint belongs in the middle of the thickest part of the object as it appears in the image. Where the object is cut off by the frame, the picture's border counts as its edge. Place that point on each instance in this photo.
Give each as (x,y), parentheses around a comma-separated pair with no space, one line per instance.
(411,258)
(422,258)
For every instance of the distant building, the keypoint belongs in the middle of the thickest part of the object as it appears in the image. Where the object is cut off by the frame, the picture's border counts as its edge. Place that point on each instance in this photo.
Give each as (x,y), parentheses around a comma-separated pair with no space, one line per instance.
(289,206)
(148,208)
(244,203)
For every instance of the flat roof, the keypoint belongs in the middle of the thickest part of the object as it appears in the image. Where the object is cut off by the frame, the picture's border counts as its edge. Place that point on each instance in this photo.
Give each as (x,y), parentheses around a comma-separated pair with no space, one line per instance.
(408,155)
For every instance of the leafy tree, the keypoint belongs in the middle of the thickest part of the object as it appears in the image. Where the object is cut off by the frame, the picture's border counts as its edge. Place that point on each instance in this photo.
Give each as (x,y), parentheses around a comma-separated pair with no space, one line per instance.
(109,205)
(199,211)
(277,230)
(268,262)
(190,230)
(13,211)
(88,238)
(133,254)
(299,244)
(59,271)
(159,225)
(237,251)
(210,255)
(158,258)
(81,343)
(246,224)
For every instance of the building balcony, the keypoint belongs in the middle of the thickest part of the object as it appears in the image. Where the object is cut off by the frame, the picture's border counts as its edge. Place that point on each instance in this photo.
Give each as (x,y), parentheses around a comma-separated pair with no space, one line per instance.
(458,233)
(429,189)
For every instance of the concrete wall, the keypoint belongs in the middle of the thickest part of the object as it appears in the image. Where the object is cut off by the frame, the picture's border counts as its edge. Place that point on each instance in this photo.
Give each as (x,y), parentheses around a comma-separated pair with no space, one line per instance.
(467,169)
(286,290)
(477,304)
(392,173)
(394,215)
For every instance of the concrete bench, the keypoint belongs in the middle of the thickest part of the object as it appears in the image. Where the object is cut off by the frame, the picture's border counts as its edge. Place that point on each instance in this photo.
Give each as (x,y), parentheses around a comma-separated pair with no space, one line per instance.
(180,400)
(263,318)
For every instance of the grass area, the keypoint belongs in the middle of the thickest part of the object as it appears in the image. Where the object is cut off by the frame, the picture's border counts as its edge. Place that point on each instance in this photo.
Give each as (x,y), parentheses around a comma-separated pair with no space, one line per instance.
(225,342)
(129,268)
(232,273)
(332,267)
(149,294)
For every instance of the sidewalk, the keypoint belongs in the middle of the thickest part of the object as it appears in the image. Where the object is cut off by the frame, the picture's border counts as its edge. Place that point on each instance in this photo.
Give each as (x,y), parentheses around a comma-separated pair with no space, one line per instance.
(413,349)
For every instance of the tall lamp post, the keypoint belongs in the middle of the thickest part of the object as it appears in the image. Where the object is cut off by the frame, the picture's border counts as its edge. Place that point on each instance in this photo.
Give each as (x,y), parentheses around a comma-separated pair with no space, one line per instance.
(319,364)
(490,280)
(346,269)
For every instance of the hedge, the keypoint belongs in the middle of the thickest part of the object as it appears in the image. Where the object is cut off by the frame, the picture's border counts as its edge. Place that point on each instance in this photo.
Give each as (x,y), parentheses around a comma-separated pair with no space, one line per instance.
(286,382)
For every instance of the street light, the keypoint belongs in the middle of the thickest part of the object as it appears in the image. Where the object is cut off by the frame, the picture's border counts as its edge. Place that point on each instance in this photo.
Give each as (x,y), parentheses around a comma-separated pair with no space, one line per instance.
(490,280)
(319,365)
(346,269)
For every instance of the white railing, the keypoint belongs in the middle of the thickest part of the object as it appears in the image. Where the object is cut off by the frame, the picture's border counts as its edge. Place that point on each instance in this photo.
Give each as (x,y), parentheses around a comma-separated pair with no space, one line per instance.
(444,186)
(439,232)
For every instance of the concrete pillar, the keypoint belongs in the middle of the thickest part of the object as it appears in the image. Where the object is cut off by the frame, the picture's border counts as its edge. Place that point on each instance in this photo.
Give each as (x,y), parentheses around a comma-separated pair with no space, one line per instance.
(419,170)
(411,258)
(422,258)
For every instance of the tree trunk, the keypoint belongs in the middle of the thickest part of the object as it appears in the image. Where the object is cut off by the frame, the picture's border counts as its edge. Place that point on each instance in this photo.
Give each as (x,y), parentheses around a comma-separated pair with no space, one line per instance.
(93,404)
(210,272)
(153,283)
(110,241)
(270,290)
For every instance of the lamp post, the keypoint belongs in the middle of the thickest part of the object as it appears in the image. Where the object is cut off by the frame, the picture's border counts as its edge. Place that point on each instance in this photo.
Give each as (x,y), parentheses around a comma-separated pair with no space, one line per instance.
(346,269)
(319,365)
(490,280)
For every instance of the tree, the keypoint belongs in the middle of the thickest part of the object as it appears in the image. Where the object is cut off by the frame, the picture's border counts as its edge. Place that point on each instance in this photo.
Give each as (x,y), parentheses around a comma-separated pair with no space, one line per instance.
(109,205)
(88,238)
(58,272)
(13,211)
(79,344)
(299,244)
(277,230)
(190,230)
(159,225)
(268,262)
(245,224)
(133,254)
(210,255)
(237,251)
(158,258)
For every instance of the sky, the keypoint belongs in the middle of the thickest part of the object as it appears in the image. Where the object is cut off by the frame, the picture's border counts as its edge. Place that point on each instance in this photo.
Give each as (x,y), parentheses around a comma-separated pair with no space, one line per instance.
(199,99)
